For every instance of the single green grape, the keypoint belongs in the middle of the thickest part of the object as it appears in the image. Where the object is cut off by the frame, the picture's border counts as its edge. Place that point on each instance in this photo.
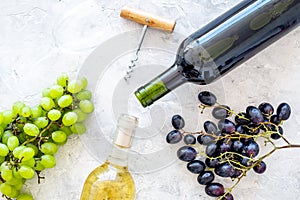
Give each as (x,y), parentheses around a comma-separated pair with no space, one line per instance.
(84,95)
(41,122)
(80,114)
(34,147)
(3,150)
(47,103)
(6,189)
(69,118)
(74,86)
(13,142)
(65,101)
(17,107)
(59,136)
(26,111)
(78,128)
(31,129)
(38,166)
(66,129)
(17,175)
(56,91)
(84,82)
(26,154)
(62,80)
(49,148)
(36,111)
(6,135)
(26,172)
(8,116)
(46,92)
(6,174)
(86,106)
(54,114)
(29,163)
(48,161)
(17,151)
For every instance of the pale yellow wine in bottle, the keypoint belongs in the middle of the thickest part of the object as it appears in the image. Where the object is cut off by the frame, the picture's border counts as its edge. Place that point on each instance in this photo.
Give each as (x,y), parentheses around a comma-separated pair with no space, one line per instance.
(112,180)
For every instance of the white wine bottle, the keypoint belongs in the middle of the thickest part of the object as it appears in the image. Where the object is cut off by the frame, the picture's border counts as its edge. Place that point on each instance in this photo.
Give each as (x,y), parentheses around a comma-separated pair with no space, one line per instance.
(112,180)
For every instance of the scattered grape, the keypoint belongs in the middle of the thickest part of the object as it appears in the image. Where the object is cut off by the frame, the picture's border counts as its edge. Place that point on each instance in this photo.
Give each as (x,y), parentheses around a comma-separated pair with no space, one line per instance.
(186,153)
(207,98)
(178,122)
(214,189)
(196,166)
(206,177)
(174,137)
(189,139)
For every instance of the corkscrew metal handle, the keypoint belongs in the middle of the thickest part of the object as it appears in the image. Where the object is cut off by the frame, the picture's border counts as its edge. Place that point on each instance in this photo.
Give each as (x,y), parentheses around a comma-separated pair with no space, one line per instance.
(148,19)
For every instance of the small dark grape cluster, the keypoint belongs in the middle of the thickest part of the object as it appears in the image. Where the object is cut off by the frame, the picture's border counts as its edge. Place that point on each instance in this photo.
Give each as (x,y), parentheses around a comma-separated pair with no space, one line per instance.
(228,148)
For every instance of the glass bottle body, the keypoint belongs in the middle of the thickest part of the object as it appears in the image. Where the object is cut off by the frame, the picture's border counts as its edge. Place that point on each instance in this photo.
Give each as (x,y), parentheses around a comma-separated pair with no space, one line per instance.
(223,44)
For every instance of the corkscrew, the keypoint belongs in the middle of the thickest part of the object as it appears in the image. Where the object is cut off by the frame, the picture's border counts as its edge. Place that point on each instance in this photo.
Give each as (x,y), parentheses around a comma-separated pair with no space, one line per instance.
(149,20)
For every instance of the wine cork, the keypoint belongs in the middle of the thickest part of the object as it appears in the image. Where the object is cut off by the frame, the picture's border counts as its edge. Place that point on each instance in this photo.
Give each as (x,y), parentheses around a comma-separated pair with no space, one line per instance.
(148,19)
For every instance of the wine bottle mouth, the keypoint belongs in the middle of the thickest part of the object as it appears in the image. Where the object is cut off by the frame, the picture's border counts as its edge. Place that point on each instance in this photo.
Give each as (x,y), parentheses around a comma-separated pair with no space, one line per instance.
(140,94)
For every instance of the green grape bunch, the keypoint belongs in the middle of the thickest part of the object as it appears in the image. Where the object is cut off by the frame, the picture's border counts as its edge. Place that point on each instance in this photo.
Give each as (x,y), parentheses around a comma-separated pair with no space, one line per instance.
(30,136)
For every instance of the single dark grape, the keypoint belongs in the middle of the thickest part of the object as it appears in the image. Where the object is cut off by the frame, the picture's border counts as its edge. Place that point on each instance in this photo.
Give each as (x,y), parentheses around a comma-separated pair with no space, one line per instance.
(224,170)
(237,173)
(211,163)
(207,98)
(196,166)
(283,111)
(210,127)
(221,112)
(255,115)
(189,139)
(260,167)
(237,146)
(186,153)
(205,177)
(228,196)
(240,129)
(275,119)
(211,150)
(266,109)
(205,139)
(174,137)
(277,136)
(178,122)
(224,146)
(226,126)
(251,149)
(214,189)
(242,118)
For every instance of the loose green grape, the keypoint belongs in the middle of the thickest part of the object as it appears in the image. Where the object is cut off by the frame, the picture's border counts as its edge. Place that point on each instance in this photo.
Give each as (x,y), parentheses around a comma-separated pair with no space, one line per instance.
(13,142)
(26,172)
(75,86)
(80,114)
(84,95)
(78,128)
(62,80)
(3,150)
(31,129)
(47,103)
(65,101)
(38,166)
(26,111)
(6,174)
(54,114)
(59,136)
(26,154)
(36,111)
(34,147)
(6,135)
(1,117)
(8,116)
(48,161)
(41,122)
(86,106)
(17,151)
(6,189)
(84,82)
(17,107)
(46,92)
(56,91)
(66,129)
(49,148)
(69,119)
(29,163)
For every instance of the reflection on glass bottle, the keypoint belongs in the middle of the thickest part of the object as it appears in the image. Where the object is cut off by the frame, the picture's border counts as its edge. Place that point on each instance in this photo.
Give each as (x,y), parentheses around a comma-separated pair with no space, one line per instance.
(112,180)
(223,44)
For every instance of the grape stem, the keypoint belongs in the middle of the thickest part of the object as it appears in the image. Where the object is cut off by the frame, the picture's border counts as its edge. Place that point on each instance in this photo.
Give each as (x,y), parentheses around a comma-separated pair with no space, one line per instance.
(39,135)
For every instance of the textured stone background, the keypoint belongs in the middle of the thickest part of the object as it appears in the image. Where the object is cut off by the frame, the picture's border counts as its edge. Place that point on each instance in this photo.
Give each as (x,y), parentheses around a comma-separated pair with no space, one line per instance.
(41,39)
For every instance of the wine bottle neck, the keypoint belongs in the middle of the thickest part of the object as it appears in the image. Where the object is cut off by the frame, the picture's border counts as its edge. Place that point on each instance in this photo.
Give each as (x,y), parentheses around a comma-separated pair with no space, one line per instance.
(160,86)
(118,156)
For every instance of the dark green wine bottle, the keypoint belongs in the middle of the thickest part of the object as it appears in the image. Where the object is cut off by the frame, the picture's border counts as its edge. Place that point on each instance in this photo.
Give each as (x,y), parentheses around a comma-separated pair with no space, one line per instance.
(223,44)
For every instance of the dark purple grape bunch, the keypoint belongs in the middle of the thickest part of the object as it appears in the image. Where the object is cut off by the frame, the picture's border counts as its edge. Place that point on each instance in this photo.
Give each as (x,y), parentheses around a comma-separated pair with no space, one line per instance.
(228,146)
